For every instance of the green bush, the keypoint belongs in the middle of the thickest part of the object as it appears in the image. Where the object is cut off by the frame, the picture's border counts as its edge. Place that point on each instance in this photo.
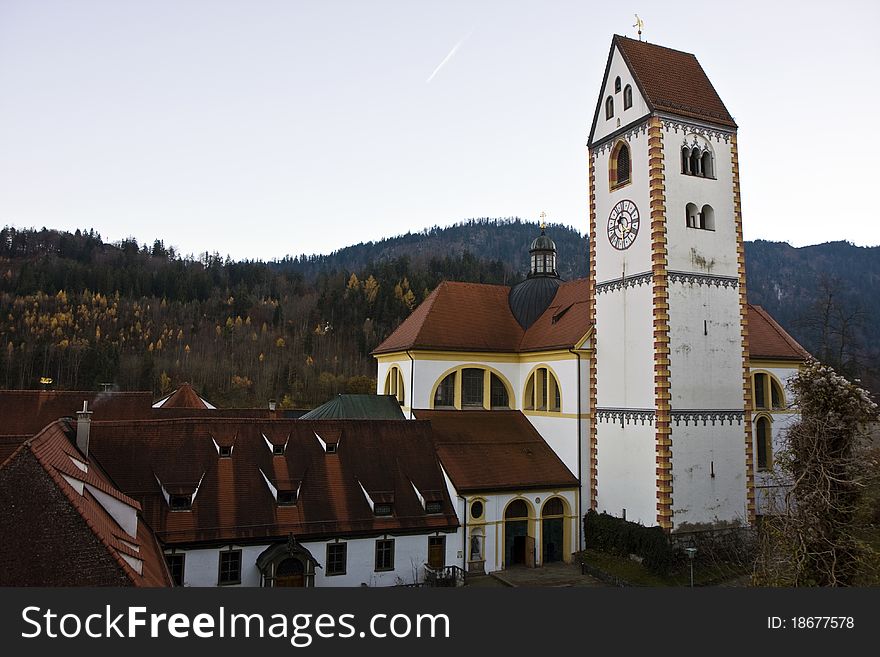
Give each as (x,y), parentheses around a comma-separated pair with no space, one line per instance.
(607,533)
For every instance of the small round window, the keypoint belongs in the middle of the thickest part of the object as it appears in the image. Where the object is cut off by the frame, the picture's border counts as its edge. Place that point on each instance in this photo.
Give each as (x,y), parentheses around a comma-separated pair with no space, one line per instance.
(477,509)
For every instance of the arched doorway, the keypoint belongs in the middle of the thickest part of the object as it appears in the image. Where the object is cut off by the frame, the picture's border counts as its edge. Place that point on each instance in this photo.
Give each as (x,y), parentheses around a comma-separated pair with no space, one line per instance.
(553,531)
(287,564)
(290,573)
(519,547)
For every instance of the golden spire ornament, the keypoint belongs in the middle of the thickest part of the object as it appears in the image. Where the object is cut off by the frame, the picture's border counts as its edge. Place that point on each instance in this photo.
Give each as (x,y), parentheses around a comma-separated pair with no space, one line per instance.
(639,24)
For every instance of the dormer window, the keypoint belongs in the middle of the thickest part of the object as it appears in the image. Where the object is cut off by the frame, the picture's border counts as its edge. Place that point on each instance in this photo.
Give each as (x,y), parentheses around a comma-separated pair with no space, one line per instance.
(382,509)
(278,450)
(433,507)
(627,97)
(180,502)
(331,448)
(286,497)
(609,107)
(225,451)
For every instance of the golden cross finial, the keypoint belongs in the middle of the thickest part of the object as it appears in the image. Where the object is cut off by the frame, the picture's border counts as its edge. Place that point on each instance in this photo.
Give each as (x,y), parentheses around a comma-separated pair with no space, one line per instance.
(639,24)
(543,216)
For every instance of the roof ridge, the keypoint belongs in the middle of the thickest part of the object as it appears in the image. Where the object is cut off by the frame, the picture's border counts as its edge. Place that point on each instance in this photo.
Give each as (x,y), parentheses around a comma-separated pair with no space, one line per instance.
(655,45)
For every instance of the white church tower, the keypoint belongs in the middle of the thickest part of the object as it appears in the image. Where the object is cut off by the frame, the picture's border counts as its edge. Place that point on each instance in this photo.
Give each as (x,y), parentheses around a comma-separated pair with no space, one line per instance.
(670,441)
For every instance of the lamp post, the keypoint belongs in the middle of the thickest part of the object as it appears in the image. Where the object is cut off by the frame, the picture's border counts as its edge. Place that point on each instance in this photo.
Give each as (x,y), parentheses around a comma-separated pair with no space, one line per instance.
(691,551)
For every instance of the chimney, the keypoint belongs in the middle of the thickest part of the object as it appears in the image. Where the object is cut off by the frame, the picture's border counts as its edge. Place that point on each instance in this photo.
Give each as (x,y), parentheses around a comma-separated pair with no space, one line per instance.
(272,407)
(83,424)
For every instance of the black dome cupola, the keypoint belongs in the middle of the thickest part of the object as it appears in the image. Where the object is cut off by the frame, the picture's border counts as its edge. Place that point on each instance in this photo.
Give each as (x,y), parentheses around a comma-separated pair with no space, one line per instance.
(542,256)
(530,299)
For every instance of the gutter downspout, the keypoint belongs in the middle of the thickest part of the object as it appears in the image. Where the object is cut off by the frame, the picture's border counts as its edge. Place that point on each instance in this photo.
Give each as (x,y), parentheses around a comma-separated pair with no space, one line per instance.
(412,379)
(580,477)
(464,538)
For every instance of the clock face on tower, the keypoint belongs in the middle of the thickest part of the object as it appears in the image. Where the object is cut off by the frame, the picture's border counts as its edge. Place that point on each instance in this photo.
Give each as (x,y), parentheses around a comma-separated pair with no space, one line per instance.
(623,225)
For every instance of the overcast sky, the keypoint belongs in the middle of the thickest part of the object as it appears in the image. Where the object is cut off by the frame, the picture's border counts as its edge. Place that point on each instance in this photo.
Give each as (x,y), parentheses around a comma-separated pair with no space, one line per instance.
(264,128)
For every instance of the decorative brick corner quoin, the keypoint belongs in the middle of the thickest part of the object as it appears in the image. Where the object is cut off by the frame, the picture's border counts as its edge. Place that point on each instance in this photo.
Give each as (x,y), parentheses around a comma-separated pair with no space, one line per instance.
(659,266)
(594,481)
(744,308)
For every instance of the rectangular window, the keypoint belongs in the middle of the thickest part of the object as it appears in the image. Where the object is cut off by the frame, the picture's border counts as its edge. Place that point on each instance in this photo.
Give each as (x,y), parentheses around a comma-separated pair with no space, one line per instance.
(230,567)
(180,502)
(762,443)
(225,451)
(286,498)
(278,450)
(472,387)
(337,558)
(433,507)
(542,399)
(382,509)
(385,554)
(760,387)
(436,551)
(175,567)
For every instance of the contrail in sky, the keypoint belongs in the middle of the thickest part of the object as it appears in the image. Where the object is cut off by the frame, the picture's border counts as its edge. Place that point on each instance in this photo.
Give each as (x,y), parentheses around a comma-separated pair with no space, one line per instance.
(448,57)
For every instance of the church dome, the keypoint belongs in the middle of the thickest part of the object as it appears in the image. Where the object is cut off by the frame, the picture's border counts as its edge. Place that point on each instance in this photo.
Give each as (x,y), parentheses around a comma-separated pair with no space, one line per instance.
(542,243)
(530,299)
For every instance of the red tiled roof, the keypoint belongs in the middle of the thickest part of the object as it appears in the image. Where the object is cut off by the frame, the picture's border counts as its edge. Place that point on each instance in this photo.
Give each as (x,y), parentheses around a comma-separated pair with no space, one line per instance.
(232,499)
(673,81)
(55,535)
(183,397)
(565,321)
(767,339)
(27,411)
(495,450)
(477,317)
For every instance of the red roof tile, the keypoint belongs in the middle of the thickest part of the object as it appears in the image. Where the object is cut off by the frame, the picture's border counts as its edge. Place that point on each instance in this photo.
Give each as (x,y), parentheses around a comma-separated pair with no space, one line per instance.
(767,339)
(477,317)
(232,499)
(565,321)
(58,531)
(495,450)
(673,81)
(183,397)
(28,411)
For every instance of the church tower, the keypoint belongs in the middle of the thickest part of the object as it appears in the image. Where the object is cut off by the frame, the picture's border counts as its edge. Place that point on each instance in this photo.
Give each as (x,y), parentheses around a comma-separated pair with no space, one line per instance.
(670,434)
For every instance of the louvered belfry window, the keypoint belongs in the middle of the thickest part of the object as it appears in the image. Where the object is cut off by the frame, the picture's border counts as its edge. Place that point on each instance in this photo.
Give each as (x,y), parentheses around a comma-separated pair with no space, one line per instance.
(623,165)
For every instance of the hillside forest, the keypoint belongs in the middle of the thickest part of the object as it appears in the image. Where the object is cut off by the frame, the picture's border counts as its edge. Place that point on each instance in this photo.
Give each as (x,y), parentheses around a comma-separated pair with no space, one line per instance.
(85,313)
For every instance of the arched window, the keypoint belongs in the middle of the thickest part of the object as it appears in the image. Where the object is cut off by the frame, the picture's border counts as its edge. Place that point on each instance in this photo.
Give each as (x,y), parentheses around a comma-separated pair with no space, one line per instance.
(691,215)
(516,509)
(627,97)
(542,391)
(472,387)
(617,85)
(609,107)
(394,383)
(767,392)
(445,395)
(553,507)
(685,160)
(764,445)
(707,165)
(623,167)
(695,162)
(619,166)
(707,218)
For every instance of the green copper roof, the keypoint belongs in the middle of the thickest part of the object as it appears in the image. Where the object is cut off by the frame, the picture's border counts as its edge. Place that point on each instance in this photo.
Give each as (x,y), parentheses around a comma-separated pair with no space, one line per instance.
(357,407)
